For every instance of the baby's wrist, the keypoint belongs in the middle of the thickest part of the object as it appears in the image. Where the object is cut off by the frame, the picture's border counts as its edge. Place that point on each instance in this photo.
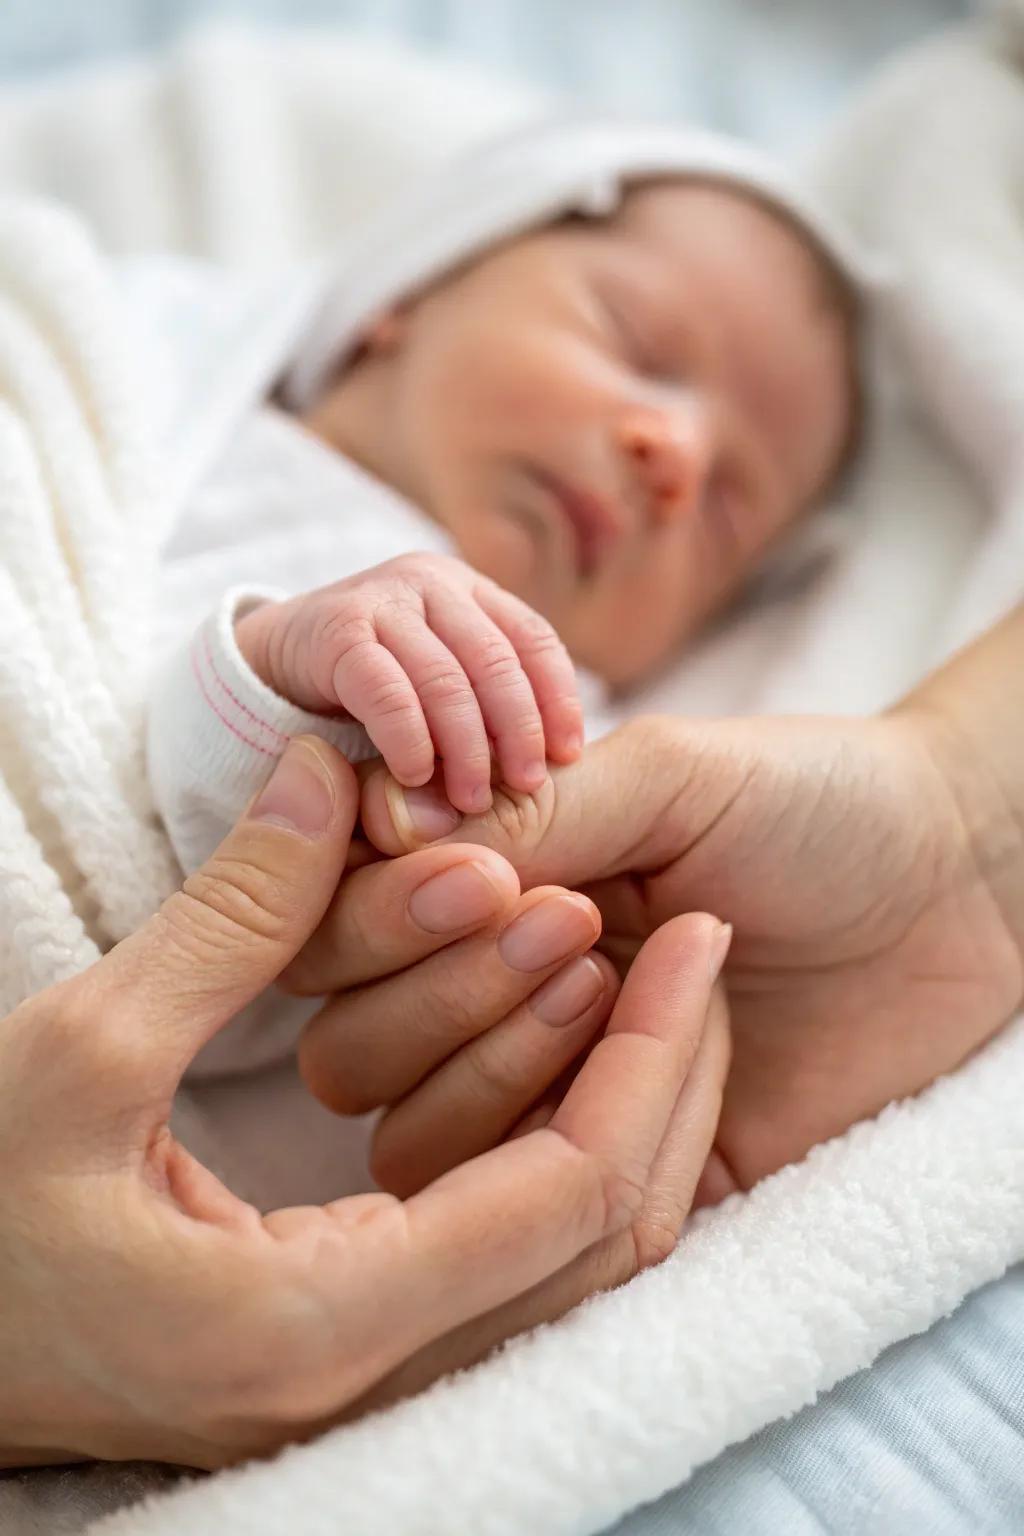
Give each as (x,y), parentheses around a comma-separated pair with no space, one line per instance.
(257,635)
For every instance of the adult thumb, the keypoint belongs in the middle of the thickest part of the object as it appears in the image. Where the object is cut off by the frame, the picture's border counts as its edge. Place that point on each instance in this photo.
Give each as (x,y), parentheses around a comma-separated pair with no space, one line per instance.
(239,919)
(629,803)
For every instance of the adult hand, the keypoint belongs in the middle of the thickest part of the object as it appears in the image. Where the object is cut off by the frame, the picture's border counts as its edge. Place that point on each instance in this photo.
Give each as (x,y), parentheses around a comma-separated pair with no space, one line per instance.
(872,949)
(468,1037)
(147,1312)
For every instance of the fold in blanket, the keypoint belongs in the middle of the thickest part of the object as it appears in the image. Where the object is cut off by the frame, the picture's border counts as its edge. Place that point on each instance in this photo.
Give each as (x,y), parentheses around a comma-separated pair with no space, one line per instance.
(778,1294)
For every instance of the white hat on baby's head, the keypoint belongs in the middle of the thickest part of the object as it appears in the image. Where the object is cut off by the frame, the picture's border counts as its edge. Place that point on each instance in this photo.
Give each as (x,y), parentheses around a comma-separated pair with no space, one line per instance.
(509,185)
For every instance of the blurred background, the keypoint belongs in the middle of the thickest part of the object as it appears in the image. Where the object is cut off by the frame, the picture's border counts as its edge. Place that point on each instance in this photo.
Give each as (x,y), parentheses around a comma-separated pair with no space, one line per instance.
(768,68)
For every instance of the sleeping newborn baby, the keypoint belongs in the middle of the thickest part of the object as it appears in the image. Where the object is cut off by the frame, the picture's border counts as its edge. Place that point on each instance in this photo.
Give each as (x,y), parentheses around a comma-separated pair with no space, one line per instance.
(615,418)
(577,389)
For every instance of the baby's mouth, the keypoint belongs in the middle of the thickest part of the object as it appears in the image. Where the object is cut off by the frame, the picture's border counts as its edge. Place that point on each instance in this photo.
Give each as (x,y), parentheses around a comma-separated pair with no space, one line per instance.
(595,524)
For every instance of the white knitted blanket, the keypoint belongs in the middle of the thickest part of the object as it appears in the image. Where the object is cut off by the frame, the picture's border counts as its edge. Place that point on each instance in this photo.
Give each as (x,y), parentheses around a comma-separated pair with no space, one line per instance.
(779,1294)
(249,151)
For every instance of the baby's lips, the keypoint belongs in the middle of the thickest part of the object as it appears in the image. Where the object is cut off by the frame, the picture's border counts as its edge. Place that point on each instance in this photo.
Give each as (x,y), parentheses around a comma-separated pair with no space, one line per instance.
(398,820)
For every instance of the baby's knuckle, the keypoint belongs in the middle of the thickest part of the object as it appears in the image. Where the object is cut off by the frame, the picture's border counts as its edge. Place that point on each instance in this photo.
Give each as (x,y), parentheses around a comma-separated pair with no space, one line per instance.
(497,662)
(343,627)
(389,700)
(522,819)
(410,566)
(538,637)
(443,684)
(435,567)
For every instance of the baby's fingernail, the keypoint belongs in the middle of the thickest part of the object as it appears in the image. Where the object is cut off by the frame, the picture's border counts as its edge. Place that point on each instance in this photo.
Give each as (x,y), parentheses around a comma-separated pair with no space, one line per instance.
(420,815)
(454,899)
(299,794)
(569,993)
(719,949)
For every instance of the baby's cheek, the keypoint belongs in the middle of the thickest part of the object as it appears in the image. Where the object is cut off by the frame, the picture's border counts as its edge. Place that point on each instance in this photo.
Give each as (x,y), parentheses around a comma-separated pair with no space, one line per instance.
(640,618)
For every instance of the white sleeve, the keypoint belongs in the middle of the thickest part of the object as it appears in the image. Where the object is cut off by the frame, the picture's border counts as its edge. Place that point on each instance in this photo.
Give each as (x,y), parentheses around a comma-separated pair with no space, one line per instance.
(215,732)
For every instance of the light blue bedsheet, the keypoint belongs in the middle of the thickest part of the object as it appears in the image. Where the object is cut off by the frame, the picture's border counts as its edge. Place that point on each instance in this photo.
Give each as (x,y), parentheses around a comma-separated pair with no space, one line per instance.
(928,1442)
(772,71)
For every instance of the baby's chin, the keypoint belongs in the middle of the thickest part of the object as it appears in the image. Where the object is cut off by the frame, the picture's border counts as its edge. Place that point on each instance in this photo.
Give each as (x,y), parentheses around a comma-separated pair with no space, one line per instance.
(613,645)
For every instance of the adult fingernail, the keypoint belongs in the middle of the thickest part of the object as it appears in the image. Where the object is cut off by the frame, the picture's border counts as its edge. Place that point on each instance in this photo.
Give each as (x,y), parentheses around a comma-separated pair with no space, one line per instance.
(454,899)
(420,815)
(567,995)
(299,794)
(719,949)
(548,931)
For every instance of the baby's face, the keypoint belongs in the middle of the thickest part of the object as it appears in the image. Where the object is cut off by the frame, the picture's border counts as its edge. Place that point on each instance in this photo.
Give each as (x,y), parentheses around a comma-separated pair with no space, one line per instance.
(617,419)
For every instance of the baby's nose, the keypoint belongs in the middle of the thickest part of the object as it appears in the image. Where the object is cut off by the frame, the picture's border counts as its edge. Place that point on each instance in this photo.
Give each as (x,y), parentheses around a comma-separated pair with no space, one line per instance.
(671,454)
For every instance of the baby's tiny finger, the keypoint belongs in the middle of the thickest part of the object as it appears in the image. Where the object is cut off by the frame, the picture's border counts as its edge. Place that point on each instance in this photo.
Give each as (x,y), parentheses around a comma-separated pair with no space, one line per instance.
(373,687)
(547,665)
(451,709)
(504,690)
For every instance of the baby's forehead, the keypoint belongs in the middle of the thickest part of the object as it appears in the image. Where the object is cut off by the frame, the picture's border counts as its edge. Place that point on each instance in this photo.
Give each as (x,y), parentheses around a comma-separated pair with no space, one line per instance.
(682,208)
(678,222)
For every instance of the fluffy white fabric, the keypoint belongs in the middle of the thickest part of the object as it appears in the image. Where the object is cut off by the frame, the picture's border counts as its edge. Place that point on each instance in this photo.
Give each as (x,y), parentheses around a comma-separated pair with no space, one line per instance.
(106,427)
(777,1295)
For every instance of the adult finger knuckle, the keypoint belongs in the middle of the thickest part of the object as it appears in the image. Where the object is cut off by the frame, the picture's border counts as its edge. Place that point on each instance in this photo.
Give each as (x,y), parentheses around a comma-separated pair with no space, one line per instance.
(497,1072)
(624,1189)
(655,1238)
(445,1013)
(228,903)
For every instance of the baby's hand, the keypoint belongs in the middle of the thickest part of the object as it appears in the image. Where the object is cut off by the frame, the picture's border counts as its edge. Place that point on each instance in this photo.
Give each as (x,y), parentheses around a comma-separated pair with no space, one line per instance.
(432,658)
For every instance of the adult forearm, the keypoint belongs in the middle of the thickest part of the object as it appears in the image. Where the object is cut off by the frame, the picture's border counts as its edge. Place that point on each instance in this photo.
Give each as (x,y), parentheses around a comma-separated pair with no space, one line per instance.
(973,713)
